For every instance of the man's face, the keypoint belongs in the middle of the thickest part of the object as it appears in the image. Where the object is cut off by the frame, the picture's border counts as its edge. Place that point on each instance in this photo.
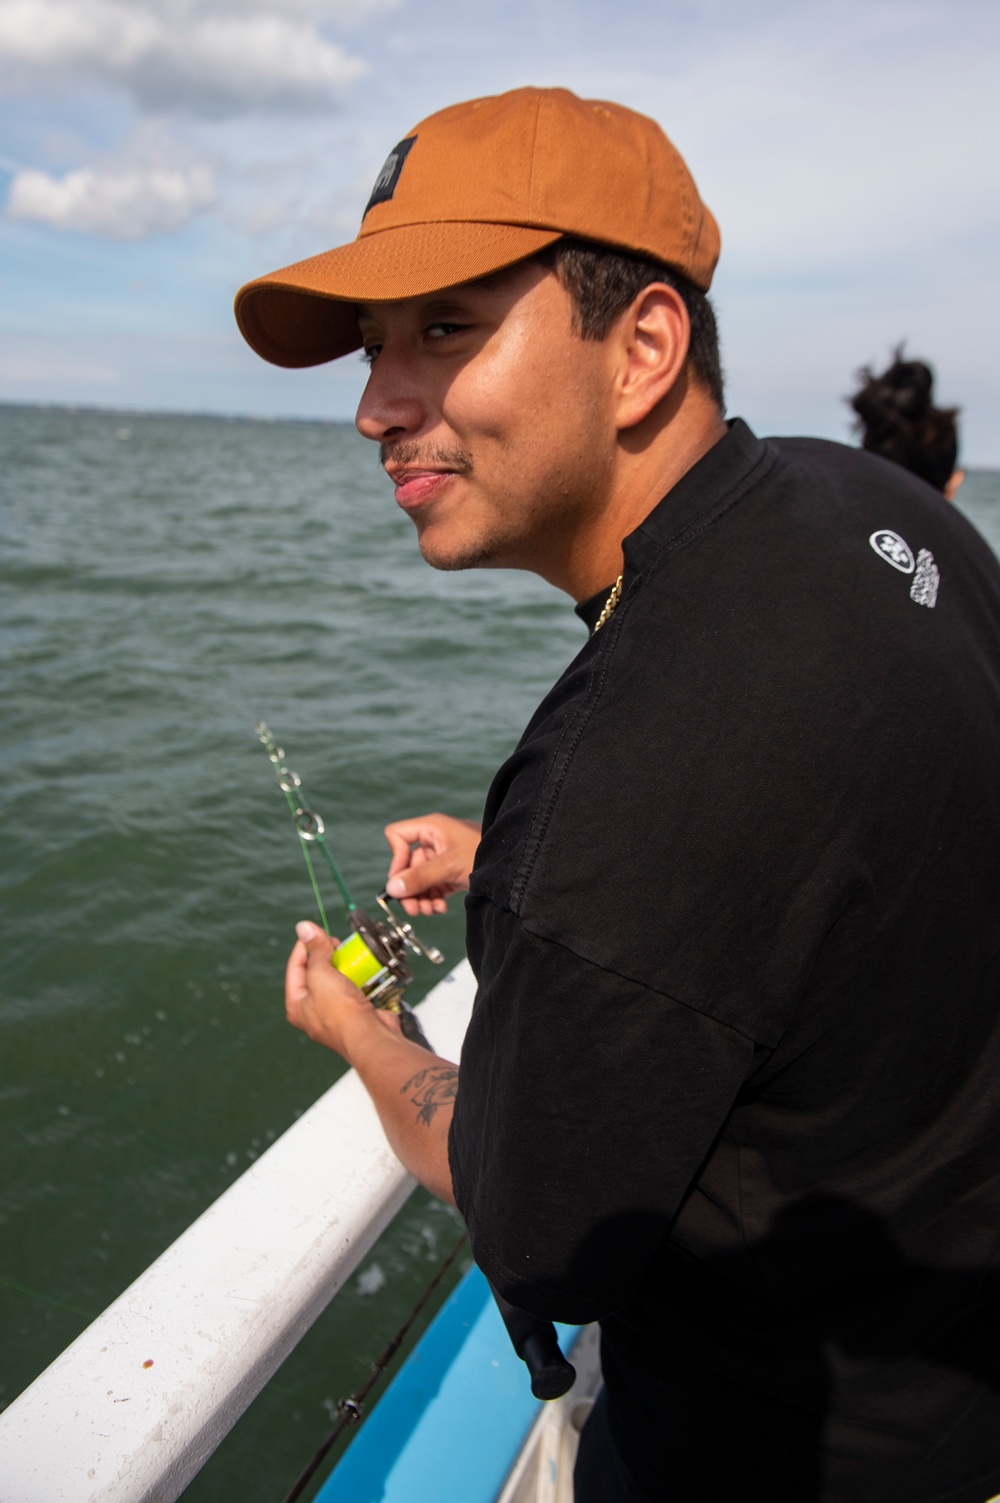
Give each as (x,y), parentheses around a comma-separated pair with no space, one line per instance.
(494,420)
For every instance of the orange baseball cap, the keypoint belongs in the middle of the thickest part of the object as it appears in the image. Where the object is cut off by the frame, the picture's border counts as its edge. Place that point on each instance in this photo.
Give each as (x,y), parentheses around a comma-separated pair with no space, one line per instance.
(475,188)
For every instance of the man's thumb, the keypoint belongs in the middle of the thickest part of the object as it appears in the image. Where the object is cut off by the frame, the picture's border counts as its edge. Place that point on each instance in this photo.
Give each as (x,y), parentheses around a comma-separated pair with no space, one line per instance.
(315,941)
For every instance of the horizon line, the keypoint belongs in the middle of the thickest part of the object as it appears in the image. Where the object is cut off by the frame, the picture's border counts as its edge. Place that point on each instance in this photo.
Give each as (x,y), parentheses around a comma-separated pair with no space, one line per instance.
(116,409)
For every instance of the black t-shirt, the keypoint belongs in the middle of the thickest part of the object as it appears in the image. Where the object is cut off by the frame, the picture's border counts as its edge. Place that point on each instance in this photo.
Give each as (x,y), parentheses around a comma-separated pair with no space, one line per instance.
(732,1080)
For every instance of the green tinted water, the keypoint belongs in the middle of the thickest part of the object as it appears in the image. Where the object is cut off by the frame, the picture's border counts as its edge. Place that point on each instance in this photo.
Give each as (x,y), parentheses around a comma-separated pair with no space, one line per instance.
(168,581)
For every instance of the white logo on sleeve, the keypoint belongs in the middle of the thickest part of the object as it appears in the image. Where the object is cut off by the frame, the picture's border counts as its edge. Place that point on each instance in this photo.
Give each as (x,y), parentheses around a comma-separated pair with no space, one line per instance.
(926,575)
(924,589)
(890,546)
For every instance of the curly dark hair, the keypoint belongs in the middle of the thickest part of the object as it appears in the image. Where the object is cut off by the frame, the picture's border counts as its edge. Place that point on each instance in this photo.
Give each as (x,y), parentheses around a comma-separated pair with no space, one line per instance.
(897,418)
(602,281)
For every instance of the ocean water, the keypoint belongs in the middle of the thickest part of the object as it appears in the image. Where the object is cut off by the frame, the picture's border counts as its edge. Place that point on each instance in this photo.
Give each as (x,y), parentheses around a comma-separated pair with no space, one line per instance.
(167,581)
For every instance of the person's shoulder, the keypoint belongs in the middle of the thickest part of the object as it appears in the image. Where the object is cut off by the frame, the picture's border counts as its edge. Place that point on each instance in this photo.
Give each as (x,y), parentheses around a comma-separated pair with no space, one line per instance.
(834,486)
(827,457)
(835,489)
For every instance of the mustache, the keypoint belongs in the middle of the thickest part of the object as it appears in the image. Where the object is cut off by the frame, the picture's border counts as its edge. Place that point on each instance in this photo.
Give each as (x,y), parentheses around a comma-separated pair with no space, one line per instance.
(415,456)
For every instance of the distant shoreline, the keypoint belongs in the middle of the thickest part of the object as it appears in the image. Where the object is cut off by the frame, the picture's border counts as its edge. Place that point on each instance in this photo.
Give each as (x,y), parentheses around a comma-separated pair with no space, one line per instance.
(98,410)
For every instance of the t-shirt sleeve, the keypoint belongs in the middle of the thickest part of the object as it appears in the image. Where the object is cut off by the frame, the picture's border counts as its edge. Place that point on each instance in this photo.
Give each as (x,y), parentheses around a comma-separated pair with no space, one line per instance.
(586,1105)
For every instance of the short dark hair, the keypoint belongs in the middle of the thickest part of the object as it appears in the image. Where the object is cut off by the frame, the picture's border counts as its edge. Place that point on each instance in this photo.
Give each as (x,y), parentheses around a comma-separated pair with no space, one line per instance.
(897,418)
(603,281)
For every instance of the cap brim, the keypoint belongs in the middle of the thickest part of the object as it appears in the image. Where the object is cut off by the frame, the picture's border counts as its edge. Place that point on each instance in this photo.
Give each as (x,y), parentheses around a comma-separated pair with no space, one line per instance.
(304,314)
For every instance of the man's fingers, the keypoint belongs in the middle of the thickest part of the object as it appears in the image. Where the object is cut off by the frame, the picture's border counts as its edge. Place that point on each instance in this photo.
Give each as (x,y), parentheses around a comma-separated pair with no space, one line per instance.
(424,907)
(407,837)
(318,999)
(431,860)
(312,945)
(419,879)
(400,844)
(295,972)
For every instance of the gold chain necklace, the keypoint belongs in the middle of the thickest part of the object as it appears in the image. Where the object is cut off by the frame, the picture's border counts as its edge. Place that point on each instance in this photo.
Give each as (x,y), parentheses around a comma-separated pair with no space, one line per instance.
(609,605)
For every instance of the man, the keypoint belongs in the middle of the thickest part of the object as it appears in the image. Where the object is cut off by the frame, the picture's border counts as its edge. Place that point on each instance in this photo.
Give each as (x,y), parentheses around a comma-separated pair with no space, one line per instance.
(732,1082)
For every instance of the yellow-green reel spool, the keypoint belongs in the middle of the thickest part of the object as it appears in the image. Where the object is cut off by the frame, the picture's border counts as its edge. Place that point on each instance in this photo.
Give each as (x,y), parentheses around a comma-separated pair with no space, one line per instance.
(355,961)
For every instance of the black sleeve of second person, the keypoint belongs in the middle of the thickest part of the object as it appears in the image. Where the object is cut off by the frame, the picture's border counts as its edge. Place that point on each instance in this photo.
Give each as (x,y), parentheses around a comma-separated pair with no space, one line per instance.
(587,1104)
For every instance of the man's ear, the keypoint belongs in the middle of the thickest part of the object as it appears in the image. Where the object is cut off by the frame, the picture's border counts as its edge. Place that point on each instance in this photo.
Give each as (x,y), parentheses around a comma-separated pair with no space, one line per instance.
(652,338)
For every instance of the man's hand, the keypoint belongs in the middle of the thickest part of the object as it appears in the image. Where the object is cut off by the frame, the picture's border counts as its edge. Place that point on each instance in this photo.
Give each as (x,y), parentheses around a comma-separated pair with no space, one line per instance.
(432,857)
(322,1002)
(413,1090)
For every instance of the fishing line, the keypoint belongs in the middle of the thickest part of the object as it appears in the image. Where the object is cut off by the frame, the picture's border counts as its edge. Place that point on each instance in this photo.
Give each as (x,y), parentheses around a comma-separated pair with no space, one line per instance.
(309,827)
(47,1299)
(373,956)
(350,1411)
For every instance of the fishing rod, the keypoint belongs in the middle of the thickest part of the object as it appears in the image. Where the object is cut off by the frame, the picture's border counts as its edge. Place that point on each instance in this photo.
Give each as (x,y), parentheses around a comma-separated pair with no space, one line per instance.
(374,955)
(374,958)
(351,1410)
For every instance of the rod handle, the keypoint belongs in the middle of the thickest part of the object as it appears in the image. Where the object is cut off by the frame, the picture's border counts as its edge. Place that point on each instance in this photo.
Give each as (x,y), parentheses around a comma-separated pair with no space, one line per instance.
(537,1345)
(410,1028)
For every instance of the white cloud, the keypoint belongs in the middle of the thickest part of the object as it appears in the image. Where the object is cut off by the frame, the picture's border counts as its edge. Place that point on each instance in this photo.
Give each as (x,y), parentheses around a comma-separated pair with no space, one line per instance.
(125,201)
(201,55)
(843,149)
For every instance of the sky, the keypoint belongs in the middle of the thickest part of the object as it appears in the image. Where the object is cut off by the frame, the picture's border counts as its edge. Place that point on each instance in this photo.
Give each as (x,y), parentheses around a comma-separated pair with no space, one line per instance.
(156,154)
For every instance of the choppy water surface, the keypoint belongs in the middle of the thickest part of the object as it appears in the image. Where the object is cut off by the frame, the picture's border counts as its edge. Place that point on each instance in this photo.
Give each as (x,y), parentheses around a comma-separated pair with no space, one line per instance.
(167,581)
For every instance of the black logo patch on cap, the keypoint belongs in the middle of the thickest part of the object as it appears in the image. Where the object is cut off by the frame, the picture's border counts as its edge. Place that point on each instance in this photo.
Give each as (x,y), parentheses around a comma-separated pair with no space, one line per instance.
(385,183)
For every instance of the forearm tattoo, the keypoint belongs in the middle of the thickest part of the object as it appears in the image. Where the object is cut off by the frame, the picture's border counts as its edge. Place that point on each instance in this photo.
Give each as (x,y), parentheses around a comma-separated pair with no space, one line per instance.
(431,1088)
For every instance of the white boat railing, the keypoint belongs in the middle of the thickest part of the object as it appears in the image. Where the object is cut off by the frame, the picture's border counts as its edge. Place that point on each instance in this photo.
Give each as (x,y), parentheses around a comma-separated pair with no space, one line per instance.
(132,1410)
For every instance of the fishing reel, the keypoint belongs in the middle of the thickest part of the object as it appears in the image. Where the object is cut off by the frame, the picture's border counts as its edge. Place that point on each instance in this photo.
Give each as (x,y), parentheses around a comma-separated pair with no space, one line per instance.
(374,956)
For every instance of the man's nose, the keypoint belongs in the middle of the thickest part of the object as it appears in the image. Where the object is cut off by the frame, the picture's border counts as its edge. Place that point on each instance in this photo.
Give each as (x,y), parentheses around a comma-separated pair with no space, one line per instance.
(390,407)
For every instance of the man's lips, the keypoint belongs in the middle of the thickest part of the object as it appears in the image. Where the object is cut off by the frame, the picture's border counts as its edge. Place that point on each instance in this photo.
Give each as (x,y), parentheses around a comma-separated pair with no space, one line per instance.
(416,486)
